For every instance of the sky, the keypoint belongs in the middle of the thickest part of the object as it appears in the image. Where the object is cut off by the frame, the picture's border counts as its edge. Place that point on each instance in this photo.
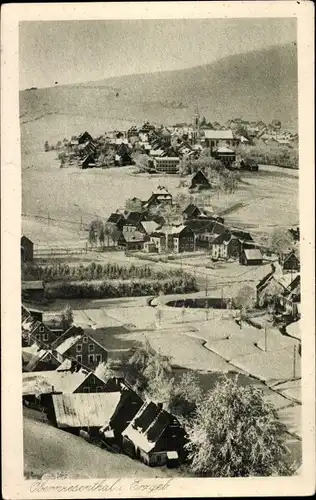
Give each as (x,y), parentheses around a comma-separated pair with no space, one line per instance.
(81,51)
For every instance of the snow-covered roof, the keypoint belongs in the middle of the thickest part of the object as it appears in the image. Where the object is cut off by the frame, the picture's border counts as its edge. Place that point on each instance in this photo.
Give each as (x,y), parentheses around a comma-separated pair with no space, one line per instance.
(253,254)
(218,134)
(223,149)
(64,346)
(46,381)
(85,409)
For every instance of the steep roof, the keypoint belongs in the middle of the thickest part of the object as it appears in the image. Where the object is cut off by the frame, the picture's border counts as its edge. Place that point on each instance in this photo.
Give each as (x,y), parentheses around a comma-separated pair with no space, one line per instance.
(84,409)
(68,343)
(149,226)
(218,134)
(190,209)
(114,218)
(132,236)
(147,426)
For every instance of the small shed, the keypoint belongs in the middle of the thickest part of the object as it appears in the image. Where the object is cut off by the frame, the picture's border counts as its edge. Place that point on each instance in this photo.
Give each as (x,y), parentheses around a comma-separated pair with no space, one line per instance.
(251,257)
(291,262)
(87,162)
(27,249)
(199,181)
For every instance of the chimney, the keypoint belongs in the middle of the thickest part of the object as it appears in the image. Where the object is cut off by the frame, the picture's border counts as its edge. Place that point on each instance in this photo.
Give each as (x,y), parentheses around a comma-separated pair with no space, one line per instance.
(160,406)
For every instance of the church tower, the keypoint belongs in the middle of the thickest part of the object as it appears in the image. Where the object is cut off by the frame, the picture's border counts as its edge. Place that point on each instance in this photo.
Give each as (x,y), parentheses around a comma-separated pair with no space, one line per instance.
(196,123)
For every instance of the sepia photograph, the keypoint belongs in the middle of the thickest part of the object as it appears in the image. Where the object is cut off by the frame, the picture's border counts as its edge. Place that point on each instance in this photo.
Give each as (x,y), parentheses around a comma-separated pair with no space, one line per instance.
(160,257)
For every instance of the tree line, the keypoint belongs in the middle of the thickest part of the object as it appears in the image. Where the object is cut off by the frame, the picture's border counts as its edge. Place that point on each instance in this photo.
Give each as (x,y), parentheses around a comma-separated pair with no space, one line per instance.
(116,289)
(93,271)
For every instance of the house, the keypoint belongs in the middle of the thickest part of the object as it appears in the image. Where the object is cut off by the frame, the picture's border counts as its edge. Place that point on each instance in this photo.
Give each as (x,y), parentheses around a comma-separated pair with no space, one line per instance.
(84,137)
(244,237)
(289,261)
(33,290)
(117,219)
(250,256)
(217,138)
(191,212)
(175,239)
(225,246)
(263,283)
(291,297)
(132,240)
(154,436)
(87,162)
(87,411)
(123,155)
(199,181)
(41,334)
(226,155)
(82,348)
(132,221)
(167,164)
(27,249)
(160,196)
(36,358)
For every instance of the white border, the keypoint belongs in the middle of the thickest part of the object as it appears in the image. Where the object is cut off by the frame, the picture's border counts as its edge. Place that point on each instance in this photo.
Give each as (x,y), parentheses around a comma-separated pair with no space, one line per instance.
(14,486)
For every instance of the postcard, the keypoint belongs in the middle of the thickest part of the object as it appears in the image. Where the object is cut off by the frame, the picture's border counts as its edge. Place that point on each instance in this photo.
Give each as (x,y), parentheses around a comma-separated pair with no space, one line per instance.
(158,294)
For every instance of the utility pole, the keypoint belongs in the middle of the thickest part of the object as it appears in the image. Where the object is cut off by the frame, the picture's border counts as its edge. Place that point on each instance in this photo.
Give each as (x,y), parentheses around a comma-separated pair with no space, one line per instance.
(222,297)
(294,361)
(265,337)
(206,284)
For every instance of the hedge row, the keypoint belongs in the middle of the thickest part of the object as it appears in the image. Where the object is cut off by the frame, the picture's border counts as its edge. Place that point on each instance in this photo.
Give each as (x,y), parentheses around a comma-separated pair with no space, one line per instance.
(108,289)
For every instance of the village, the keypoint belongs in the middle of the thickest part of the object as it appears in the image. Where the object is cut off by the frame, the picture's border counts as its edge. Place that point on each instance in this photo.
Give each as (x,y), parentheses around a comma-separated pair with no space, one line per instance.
(238,144)
(168,282)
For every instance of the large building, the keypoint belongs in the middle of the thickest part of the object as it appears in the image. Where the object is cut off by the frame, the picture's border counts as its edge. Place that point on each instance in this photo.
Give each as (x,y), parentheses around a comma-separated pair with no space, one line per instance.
(218,138)
(167,164)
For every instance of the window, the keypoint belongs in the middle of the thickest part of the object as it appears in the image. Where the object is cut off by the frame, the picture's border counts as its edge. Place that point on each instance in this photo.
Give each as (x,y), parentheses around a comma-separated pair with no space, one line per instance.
(45,337)
(79,347)
(41,329)
(37,336)
(91,347)
(90,359)
(85,340)
(86,389)
(99,388)
(79,358)
(92,379)
(98,358)
(48,357)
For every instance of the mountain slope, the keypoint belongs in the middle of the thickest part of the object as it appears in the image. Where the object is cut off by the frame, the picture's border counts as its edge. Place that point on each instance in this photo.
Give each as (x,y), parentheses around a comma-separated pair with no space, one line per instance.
(255,85)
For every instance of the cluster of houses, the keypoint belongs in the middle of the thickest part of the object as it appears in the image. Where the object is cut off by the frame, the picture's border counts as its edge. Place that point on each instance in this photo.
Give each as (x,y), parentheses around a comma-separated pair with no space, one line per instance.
(167,146)
(61,377)
(85,151)
(283,284)
(199,230)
